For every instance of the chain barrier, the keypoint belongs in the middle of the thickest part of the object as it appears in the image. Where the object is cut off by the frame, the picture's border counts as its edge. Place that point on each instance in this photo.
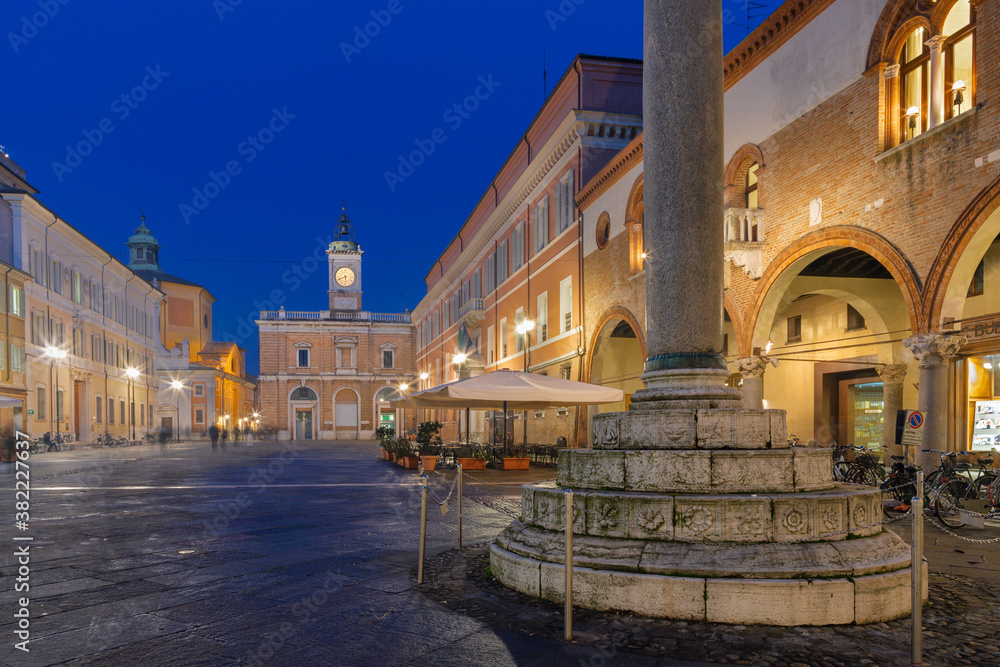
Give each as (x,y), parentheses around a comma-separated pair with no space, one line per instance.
(973,540)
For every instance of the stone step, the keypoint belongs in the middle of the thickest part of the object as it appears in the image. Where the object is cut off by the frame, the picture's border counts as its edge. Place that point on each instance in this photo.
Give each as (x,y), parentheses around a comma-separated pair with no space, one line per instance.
(698,471)
(818,515)
(691,429)
(884,552)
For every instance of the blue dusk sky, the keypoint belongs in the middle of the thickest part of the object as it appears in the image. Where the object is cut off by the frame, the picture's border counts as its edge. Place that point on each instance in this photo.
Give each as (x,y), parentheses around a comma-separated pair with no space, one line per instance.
(239,127)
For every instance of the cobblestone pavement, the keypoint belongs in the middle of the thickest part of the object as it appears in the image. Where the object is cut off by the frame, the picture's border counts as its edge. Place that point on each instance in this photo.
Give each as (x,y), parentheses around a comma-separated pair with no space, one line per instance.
(280,555)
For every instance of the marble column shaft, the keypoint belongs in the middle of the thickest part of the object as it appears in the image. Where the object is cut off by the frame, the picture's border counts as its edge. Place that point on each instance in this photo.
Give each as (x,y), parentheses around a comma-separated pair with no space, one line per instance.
(752,369)
(892,376)
(683,156)
(935,352)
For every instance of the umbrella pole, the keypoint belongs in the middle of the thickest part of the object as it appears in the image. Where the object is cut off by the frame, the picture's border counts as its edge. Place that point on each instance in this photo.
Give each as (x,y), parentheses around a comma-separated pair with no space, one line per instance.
(468,440)
(505,427)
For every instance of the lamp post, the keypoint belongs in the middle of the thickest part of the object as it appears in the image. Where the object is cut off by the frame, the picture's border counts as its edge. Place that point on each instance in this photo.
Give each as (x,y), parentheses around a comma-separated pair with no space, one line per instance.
(524,329)
(132,375)
(460,359)
(55,354)
(423,378)
(177,385)
(401,429)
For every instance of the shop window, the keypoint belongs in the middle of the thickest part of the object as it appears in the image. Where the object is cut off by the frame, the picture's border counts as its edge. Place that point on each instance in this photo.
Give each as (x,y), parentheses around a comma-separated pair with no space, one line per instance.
(914,59)
(959,58)
(794,325)
(855,321)
(976,285)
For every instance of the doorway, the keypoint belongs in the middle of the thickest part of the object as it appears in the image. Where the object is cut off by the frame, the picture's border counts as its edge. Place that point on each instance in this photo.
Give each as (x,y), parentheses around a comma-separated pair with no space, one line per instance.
(303,425)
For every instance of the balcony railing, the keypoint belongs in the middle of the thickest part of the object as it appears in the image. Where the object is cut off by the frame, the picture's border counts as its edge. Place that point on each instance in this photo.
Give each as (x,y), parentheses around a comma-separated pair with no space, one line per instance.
(336,316)
(744,225)
(470,306)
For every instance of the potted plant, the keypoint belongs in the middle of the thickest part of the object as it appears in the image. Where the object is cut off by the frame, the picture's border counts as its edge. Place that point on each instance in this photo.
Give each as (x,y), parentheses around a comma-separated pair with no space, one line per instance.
(429,443)
(517,460)
(385,435)
(405,455)
(472,458)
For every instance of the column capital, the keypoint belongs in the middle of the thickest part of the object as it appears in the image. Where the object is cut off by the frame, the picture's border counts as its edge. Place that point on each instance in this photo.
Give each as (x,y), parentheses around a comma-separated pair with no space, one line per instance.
(934,349)
(936,43)
(751,366)
(891,373)
(891,71)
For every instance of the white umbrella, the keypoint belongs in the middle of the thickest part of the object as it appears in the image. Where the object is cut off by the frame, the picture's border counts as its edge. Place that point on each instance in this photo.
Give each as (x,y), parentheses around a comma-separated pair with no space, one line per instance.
(512,390)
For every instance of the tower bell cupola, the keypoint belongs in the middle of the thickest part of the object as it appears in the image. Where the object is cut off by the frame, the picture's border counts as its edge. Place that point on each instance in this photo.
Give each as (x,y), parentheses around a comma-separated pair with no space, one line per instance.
(344,255)
(143,249)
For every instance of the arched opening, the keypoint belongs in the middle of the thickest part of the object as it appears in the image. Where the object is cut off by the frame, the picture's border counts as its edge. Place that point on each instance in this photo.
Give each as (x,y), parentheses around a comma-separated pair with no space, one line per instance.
(302,405)
(385,410)
(830,319)
(617,361)
(972,304)
(346,415)
(634,221)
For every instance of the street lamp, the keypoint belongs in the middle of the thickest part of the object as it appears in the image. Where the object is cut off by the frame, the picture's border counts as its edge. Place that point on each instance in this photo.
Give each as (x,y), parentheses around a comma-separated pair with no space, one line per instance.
(132,375)
(524,329)
(911,116)
(55,354)
(178,386)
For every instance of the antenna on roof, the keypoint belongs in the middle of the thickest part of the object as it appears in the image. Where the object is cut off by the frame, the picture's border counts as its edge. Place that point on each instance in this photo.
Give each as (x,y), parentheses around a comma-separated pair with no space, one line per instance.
(755,10)
(545,79)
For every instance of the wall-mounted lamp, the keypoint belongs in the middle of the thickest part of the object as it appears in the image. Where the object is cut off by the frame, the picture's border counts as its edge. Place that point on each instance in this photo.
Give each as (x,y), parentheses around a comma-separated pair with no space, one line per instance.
(911,116)
(957,89)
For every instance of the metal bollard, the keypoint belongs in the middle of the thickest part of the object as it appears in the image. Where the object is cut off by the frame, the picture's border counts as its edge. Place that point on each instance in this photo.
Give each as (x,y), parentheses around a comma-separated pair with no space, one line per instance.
(459,505)
(569,566)
(917,568)
(423,530)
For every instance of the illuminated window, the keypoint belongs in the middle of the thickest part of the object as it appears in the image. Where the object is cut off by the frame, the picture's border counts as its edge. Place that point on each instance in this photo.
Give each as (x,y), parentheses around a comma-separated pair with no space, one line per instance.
(794,329)
(914,59)
(960,31)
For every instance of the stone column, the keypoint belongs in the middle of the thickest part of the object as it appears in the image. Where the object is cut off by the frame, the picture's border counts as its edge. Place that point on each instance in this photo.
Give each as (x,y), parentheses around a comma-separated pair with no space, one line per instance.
(892,400)
(752,370)
(935,353)
(935,86)
(683,219)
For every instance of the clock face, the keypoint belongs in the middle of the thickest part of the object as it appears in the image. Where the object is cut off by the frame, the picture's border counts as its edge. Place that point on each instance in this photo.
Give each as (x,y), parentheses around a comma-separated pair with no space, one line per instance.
(345,276)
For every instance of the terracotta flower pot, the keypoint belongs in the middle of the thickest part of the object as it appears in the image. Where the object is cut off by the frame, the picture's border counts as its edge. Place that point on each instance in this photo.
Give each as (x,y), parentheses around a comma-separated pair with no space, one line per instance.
(429,462)
(512,463)
(410,462)
(472,463)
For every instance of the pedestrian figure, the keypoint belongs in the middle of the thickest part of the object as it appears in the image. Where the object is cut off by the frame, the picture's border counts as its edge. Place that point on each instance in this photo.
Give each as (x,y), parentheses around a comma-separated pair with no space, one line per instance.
(236,434)
(225,436)
(49,445)
(213,432)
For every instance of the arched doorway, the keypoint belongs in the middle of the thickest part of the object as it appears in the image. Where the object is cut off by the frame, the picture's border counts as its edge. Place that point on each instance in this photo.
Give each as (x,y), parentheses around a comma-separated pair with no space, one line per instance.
(833,317)
(969,300)
(346,414)
(384,410)
(617,359)
(302,404)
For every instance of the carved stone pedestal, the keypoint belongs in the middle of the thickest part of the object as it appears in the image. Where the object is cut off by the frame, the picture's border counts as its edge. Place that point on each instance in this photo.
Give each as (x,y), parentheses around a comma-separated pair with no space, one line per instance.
(707,515)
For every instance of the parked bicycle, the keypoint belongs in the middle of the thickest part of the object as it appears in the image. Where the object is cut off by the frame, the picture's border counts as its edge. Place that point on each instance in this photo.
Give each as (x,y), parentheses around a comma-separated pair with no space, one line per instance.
(857,465)
(963,491)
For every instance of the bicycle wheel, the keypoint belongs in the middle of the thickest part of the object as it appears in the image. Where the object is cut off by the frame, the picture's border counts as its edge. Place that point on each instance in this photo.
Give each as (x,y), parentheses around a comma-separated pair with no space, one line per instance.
(983,485)
(950,499)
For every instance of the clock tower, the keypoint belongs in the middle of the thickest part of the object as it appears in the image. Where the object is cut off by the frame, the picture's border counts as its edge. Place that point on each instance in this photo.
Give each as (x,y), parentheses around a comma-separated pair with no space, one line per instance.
(345,268)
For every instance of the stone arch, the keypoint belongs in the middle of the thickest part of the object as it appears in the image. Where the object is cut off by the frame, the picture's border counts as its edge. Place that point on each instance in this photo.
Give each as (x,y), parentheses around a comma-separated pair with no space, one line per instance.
(798,254)
(957,260)
(896,16)
(610,315)
(940,13)
(294,390)
(736,174)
